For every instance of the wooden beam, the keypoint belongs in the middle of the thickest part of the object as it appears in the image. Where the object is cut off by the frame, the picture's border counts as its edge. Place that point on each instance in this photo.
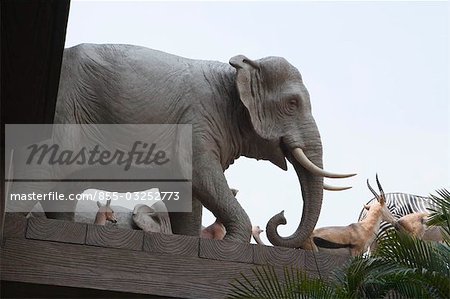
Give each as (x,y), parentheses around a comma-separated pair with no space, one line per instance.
(17,225)
(64,264)
(56,230)
(173,244)
(61,253)
(278,256)
(321,264)
(109,236)
(226,251)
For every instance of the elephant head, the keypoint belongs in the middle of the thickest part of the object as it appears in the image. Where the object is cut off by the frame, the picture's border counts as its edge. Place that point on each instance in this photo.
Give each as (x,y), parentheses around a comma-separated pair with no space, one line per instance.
(279,108)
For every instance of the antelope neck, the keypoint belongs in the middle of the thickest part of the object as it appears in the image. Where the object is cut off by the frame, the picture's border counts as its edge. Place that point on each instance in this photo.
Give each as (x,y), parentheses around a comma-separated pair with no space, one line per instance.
(100,219)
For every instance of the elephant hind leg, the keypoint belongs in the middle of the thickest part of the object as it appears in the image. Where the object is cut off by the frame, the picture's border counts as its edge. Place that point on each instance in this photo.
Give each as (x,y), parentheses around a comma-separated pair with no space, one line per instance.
(62,209)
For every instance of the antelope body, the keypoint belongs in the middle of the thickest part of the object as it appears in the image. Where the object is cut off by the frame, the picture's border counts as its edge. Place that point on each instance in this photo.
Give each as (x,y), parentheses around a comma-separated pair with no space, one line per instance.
(415,224)
(355,238)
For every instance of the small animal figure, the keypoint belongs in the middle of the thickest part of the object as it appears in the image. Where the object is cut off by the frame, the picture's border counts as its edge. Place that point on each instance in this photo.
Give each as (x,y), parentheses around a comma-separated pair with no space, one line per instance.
(256,231)
(415,224)
(104,213)
(152,219)
(355,238)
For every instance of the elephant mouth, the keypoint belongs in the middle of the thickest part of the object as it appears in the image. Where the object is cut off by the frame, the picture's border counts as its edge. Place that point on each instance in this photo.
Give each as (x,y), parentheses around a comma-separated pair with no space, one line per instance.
(296,155)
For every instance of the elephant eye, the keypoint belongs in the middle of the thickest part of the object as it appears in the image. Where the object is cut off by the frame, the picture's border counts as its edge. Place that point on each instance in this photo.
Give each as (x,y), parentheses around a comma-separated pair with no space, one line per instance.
(292,103)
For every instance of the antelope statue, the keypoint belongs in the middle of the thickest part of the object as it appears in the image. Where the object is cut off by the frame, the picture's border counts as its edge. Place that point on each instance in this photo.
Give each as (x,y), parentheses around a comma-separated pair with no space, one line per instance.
(105,213)
(415,224)
(355,238)
(256,231)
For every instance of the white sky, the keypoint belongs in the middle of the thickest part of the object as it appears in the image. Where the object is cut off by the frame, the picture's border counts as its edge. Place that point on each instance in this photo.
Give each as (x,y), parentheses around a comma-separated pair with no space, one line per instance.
(377,72)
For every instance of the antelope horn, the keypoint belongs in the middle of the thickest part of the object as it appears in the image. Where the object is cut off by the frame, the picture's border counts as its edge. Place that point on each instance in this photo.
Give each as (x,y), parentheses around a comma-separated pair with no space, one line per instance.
(300,156)
(373,191)
(382,197)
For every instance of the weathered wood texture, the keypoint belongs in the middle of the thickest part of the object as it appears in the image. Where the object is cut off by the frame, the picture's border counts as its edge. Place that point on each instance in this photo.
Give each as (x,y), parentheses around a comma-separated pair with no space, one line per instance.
(113,269)
(16,227)
(108,236)
(56,230)
(278,256)
(173,244)
(322,264)
(226,251)
(103,258)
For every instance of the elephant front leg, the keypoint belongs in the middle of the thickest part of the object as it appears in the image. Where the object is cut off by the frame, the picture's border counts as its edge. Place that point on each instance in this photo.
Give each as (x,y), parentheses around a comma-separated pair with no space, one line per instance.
(210,187)
(187,223)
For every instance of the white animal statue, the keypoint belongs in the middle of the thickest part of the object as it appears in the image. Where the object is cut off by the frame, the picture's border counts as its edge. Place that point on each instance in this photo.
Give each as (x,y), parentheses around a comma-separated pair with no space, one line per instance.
(152,219)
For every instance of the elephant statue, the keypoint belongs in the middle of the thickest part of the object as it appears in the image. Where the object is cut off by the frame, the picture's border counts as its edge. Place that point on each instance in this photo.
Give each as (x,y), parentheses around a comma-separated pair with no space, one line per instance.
(254,108)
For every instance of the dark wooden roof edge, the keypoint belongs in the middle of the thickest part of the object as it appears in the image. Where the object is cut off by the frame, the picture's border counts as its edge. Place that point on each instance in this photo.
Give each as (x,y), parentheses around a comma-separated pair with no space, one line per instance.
(55,252)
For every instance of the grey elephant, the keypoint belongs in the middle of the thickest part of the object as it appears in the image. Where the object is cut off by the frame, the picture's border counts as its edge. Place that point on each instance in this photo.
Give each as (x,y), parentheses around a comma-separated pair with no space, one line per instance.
(254,108)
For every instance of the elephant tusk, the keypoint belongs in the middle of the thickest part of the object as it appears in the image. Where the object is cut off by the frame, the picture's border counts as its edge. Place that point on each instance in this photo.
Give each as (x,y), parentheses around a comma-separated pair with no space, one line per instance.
(300,156)
(334,188)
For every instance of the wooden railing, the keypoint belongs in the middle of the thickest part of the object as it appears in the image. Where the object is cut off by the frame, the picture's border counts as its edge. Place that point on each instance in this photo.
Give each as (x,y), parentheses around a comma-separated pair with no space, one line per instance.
(61,253)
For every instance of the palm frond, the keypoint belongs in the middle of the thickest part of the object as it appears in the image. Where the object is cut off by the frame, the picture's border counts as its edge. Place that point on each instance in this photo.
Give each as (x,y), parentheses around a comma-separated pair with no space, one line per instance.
(440,215)
(406,250)
(265,283)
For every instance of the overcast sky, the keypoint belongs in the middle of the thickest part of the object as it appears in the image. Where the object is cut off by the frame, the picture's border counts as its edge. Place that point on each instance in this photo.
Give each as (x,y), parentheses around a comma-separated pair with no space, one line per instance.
(377,73)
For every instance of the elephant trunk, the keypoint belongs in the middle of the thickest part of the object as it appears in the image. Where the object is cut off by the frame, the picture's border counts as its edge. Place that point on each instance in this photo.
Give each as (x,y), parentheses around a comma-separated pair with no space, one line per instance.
(312,193)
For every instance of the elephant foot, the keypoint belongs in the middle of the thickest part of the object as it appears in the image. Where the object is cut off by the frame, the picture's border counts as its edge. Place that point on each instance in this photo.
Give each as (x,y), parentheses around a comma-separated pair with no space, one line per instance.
(187,223)
(240,231)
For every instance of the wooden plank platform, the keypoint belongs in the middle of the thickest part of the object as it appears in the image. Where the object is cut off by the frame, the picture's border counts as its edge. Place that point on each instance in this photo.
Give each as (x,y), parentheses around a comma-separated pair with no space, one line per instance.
(78,255)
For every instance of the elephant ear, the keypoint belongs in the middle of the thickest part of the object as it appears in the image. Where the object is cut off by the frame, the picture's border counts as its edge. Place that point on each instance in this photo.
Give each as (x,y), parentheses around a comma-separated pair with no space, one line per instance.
(248,78)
